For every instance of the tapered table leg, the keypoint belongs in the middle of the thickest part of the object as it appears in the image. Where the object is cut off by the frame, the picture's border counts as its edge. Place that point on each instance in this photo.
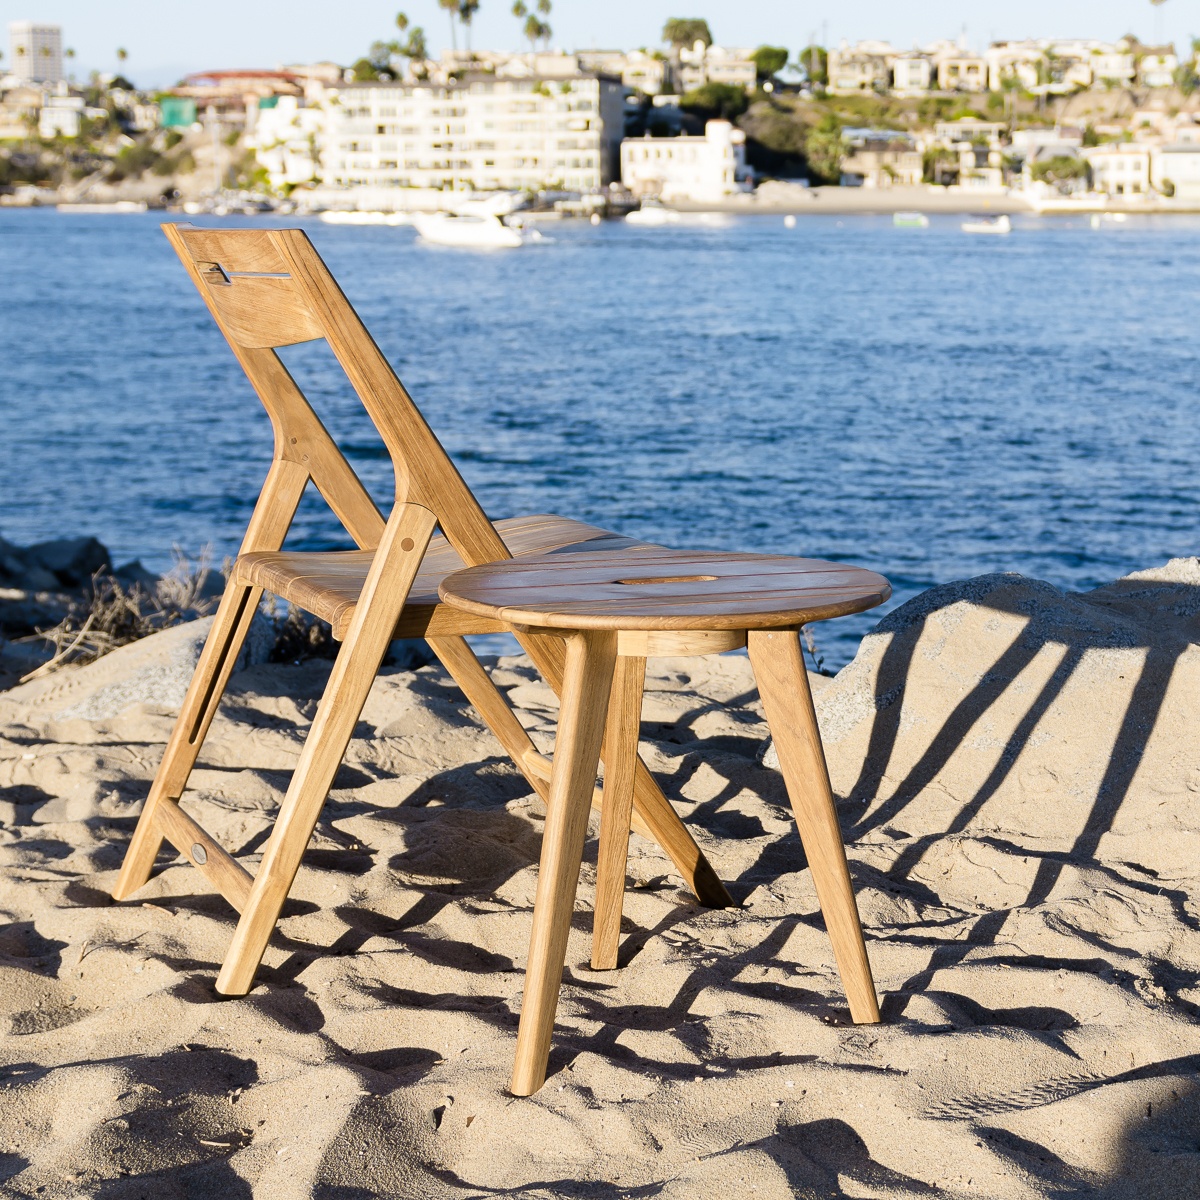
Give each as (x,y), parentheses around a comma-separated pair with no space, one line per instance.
(620,763)
(787,700)
(586,683)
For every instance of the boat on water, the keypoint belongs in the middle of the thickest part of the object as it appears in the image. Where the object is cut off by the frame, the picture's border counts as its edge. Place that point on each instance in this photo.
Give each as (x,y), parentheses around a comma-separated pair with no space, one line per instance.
(910,220)
(653,214)
(341,217)
(116,206)
(475,232)
(1001,224)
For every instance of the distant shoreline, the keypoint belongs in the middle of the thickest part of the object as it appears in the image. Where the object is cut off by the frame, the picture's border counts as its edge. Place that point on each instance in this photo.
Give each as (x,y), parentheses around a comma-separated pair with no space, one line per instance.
(784,199)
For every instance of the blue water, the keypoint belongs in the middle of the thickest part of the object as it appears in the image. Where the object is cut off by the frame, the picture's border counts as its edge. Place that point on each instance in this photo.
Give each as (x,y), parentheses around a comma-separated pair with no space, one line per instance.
(925,403)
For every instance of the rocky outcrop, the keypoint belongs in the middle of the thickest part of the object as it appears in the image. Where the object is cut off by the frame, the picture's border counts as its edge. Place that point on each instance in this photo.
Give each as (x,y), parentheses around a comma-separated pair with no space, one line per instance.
(1069,715)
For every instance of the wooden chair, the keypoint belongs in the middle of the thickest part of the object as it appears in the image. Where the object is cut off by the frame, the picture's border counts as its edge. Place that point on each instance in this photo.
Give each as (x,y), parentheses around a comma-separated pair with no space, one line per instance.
(267,289)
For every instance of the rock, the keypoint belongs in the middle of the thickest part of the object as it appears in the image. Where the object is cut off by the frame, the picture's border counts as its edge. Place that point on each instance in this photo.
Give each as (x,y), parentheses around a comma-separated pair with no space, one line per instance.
(134,575)
(153,672)
(51,566)
(1001,694)
(72,561)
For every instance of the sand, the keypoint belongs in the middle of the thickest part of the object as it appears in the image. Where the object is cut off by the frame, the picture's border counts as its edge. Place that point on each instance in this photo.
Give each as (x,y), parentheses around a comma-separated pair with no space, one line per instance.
(1018,777)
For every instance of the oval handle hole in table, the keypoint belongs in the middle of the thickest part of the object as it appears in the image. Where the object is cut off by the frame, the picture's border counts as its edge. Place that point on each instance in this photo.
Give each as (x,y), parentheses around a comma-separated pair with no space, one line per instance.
(668,579)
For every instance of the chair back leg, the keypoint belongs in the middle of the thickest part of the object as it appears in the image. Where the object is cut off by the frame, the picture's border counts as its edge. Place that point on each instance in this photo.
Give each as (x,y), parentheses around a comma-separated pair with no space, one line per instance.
(217,659)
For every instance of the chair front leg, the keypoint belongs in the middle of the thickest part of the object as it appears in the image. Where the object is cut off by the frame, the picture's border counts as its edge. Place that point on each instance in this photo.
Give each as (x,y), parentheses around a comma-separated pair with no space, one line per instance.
(387,585)
(787,700)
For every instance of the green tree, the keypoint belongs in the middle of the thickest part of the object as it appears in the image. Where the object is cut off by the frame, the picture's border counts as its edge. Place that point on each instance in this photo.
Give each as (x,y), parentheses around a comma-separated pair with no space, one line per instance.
(769,61)
(825,148)
(685,32)
(814,62)
(714,100)
(1061,171)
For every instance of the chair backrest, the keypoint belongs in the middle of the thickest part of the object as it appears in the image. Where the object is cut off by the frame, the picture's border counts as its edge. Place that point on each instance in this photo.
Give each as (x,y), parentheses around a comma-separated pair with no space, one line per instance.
(268,288)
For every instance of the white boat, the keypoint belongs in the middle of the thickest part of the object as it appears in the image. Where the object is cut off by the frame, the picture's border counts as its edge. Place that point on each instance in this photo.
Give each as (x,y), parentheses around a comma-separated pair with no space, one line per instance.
(116,206)
(653,214)
(483,233)
(496,204)
(337,217)
(1000,224)
(910,220)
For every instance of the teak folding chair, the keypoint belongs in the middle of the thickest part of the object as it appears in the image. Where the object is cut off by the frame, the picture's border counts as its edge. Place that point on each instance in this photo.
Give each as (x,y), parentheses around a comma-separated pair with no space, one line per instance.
(267,289)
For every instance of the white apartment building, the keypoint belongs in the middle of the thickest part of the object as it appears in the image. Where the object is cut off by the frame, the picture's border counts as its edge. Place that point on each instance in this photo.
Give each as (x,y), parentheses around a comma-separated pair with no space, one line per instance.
(35,52)
(1156,66)
(866,67)
(913,73)
(61,115)
(1120,168)
(715,64)
(485,133)
(686,168)
(286,137)
(962,71)
(1175,169)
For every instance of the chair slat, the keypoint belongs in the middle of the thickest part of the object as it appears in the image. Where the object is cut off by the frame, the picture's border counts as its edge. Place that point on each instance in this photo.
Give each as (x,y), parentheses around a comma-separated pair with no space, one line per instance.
(262,311)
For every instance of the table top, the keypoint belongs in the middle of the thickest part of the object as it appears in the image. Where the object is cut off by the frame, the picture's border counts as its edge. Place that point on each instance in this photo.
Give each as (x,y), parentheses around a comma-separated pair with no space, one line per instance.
(654,588)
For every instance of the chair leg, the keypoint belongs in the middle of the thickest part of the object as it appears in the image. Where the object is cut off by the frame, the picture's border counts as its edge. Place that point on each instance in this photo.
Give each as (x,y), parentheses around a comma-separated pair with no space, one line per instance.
(384,593)
(620,759)
(787,700)
(661,821)
(586,684)
(221,649)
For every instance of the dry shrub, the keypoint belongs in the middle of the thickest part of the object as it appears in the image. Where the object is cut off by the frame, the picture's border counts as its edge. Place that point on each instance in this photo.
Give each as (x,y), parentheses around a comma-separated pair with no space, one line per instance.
(111,615)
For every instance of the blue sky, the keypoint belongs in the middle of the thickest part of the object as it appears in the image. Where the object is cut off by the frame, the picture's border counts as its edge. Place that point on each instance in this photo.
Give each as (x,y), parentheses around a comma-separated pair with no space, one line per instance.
(166,38)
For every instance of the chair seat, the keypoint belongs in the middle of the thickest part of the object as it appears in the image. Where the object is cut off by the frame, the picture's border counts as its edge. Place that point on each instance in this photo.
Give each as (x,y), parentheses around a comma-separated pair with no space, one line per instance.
(329,583)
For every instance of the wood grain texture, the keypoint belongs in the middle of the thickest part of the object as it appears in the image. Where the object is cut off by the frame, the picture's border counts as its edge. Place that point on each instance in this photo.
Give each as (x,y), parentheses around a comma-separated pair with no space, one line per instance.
(588,677)
(657,589)
(395,566)
(328,584)
(787,700)
(677,643)
(223,871)
(620,768)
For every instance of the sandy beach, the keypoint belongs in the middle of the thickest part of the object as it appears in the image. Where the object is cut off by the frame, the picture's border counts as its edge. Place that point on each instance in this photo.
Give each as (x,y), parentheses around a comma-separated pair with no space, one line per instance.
(1017,779)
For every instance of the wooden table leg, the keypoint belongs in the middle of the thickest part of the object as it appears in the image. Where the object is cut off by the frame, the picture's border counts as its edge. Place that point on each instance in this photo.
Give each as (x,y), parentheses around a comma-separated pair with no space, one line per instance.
(787,700)
(620,761)
(587,680)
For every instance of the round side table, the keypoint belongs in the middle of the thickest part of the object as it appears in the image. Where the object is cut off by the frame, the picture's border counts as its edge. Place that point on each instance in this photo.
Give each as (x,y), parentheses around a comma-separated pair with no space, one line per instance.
(615,609)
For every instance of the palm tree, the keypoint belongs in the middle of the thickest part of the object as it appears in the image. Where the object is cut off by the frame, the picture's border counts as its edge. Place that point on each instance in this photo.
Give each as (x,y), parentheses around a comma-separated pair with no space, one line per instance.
(451,7)
(466,13)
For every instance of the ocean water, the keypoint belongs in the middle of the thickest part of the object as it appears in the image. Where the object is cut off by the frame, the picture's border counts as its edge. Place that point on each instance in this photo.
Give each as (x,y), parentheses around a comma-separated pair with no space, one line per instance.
(926,403)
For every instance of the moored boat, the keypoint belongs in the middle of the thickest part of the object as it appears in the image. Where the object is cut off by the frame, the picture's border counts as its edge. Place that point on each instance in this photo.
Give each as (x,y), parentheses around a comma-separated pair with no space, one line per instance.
(341,217)
(476,232)
(910,220)
(115,206)
(1001,224)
